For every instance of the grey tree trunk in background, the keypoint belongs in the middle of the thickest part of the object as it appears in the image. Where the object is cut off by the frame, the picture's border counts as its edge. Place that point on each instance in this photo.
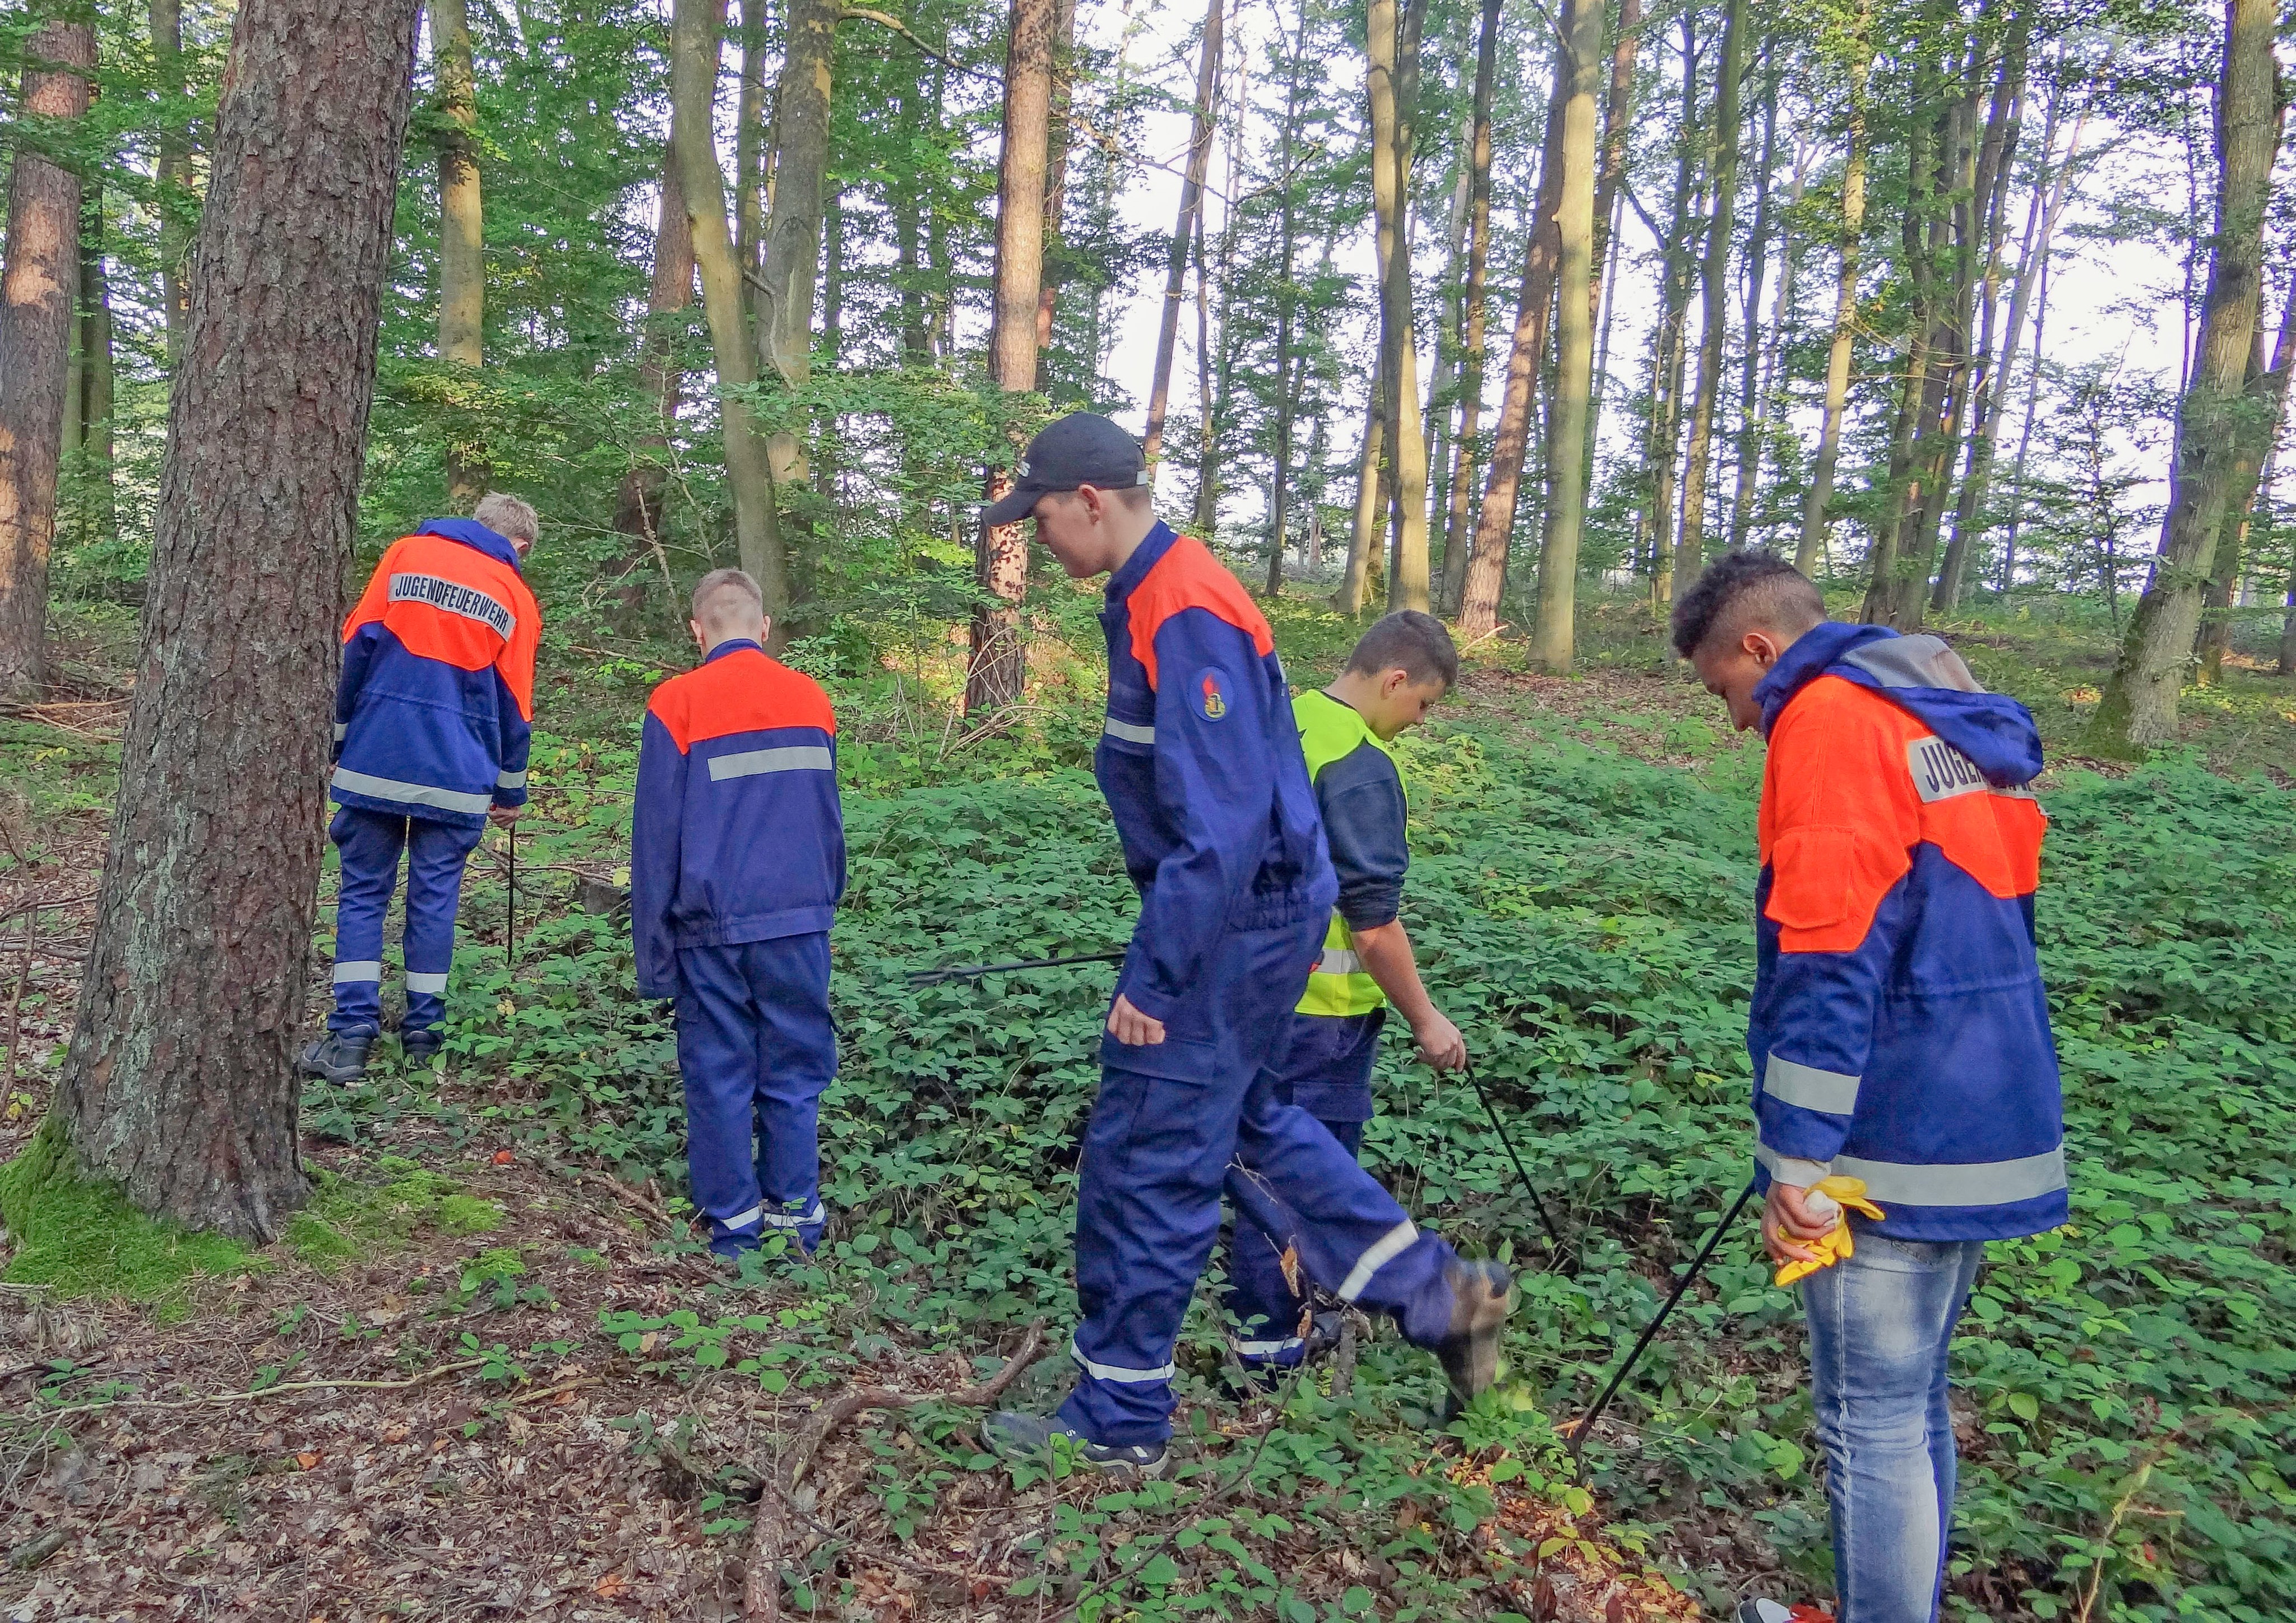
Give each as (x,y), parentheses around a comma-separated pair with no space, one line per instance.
(637,506)
(1183,232)
(36,289)
(1714,291)
(1813,514)
(179,1081)
(461,233)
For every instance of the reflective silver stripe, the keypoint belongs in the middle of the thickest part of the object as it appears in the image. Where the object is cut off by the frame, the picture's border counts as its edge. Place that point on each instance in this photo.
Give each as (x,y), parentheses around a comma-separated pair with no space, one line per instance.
(1338,960)
(1940,772)
(511,780)
(410,794)
(1943,1183)
(1131,732)
(341,727)
(434,984)
(1116,1372)
(775,1219)
(1810,1087)
(791,758)
(742,1219)
(454,598)
(1392,1245)
(1268,1350)
(357,972)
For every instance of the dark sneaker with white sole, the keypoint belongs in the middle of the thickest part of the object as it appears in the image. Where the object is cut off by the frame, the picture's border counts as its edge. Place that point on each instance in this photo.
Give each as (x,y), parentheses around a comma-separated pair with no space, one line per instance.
(1763,1610)
(421,1048)
(1014,1436)
(340,1056)
(1482,1295)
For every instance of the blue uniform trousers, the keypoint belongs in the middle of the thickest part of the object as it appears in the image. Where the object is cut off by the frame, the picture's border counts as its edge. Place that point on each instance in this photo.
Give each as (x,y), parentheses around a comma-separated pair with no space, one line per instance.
(1325,1068)
(757,1050)
(1170,1120)
(370,842)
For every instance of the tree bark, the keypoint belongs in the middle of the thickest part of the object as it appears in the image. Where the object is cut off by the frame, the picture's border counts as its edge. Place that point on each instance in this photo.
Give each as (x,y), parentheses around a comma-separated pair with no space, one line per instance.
(637,506)
(173,200)
(1714,291)
(998,668)
(462,240)
(752,152)
(1060,136)
(1479,599)
(2255,433)
(36,300)
(92,406)
(1393,84)
(903,201)
(1365,536)
(179,1082)
(1474,303)
(1670,336)
(1553,647)
(695,36)
(2139,708)
(1749,316)
(1814,515)
(1287,304)
(791,273)
(1184,230)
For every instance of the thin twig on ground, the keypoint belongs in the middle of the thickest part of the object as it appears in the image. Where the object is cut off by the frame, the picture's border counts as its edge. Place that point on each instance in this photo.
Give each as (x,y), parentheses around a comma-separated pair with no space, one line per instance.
(424,1379)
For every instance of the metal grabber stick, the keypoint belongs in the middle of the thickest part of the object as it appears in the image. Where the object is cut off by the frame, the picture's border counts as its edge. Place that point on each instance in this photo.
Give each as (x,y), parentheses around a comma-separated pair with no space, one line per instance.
(1546,1222)
(510,934)
(1586,1426)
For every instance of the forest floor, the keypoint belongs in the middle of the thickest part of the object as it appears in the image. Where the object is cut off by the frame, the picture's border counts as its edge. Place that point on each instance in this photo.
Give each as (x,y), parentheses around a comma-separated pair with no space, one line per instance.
(490,1372)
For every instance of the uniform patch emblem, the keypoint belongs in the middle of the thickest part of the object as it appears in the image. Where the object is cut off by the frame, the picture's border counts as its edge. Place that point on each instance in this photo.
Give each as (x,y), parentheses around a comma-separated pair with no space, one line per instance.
(1208,691)
(1940,772)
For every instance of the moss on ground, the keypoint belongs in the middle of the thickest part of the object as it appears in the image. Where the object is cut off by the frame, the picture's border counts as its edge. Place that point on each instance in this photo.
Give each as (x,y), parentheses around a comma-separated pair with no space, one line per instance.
(348,1218)
(79,1236)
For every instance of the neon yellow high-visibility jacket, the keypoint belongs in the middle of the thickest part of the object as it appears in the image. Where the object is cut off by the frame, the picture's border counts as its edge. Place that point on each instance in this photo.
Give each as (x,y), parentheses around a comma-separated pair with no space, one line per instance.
(1359,791)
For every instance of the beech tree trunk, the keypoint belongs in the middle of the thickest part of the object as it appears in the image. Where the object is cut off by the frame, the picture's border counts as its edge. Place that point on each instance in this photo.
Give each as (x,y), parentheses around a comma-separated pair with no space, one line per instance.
(2255,434)
(461,236)
(1670,336)
(1184,230)
(1287,302)
(1553,647)
(2139,708)
(637,506)
(999,666)
(1473,305)
(1714,291)
(1814,515)
(179,1081)
(37,289)
(792,275)
(1365,535)
(695,35)
(1393,84)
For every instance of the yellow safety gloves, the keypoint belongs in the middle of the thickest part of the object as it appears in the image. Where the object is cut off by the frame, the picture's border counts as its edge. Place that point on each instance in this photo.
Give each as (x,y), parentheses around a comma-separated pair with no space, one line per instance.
(1830,1195)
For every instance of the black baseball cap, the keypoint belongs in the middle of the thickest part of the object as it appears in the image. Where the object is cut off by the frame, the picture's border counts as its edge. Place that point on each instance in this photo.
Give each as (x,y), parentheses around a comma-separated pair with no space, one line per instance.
(1082,449)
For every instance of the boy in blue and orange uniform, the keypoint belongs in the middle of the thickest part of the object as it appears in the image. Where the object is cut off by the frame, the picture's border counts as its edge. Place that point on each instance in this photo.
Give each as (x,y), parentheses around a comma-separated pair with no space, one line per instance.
(433,719)
(737,861)
(1200,760)
(1900,1031)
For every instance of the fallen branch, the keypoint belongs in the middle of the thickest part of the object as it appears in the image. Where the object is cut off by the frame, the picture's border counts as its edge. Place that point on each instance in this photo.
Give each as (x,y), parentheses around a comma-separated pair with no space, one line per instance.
(424,1379)
(762,1588)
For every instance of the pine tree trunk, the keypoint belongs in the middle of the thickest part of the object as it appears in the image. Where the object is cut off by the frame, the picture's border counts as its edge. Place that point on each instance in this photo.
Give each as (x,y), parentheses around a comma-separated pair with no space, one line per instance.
(1060,136)
(179,1083)
(1714,289)
(36,342)
(172,196)
(695,38)
(462,239)
(1553,647)
(97,376)
(997,669)
(2139,709)
(1478,598)
(1191,195)
(1814,517)
(1474,305)
(637,504)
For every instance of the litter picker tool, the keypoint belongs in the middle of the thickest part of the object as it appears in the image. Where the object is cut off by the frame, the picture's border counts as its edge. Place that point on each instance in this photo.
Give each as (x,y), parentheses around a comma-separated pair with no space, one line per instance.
(1546,1222)
(1586,1426)
(974,972)
(510,933)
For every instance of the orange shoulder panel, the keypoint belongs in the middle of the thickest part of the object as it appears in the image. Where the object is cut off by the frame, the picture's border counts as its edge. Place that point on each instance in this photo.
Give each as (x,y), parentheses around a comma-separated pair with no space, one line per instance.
(743,693)
(1188,577)
(444,601)
(1840,818)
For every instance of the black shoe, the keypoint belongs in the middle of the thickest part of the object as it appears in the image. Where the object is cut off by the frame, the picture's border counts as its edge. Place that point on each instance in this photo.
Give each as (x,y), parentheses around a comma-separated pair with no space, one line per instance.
(1482,1295)
(421,1048)
(1015,1436)
(340,1056)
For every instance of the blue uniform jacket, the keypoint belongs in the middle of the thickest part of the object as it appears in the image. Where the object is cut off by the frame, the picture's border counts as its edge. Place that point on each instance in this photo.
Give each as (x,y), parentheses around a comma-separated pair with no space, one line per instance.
(434,712)
(737,834)
(1899,1029)
(1199,759)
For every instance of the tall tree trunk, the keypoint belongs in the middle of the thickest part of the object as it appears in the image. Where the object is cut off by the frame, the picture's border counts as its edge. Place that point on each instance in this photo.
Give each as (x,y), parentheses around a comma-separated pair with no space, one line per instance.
(998,668)
(791,273)
(1059,137)
(904,201)
(637,504)
(1216,356)
(1366,533)
(1479,599)
(695,37)
(1714,289)
(1920,397)
(1393,84)
(1552,648)
(2139,709)
(1474,303)
(1287,303)
(96,375)
(462,239)
(752,147)
(1814,515)
(1749,316)
(2255,433)
(1618,108)
(178,1083)
(2025,435)
(1670,336)
(1191,198)
(37,301)
(173,199)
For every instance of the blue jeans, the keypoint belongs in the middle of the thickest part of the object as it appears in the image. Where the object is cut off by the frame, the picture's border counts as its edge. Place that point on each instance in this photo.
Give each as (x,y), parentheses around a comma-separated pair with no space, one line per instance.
(1879,1325)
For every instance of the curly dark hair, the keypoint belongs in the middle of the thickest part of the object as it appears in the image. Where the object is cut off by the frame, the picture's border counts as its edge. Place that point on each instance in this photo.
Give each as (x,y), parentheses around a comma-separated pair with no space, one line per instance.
(1744,585)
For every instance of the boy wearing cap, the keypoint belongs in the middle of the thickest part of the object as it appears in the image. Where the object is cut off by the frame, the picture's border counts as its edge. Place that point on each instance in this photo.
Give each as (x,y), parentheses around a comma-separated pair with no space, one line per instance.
(1402,667)
(1201,764)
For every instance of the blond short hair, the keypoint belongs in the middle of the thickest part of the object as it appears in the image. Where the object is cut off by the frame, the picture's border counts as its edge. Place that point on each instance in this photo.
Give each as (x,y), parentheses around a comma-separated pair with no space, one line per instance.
(508,516)
(728,600)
